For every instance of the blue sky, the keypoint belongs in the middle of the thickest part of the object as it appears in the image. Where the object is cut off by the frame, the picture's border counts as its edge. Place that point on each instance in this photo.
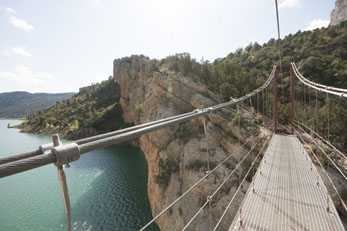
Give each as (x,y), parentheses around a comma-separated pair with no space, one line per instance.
(59,46)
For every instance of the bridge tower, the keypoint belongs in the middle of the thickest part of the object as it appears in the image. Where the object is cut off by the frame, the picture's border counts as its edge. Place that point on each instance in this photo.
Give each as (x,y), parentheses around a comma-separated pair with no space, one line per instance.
(290,99)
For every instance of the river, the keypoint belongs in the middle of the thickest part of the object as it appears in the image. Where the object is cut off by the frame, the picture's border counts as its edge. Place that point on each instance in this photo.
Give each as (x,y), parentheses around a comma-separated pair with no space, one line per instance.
(107,188)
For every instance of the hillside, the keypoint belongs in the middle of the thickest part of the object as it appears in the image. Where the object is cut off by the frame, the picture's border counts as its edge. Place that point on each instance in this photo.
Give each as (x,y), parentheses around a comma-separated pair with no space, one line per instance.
(93,110)
(20,103)
(320,55)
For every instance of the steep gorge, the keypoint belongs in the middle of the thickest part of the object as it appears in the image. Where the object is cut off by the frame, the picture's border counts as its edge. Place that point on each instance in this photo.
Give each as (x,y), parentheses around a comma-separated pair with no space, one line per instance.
(176,156)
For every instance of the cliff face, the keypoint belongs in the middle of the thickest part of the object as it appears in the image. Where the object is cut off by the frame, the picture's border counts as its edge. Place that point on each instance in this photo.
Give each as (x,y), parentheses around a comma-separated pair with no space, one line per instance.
(339,14)
(176,156)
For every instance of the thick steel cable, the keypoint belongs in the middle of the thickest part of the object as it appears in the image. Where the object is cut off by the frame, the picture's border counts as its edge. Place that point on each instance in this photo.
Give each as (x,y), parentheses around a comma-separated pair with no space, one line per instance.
(221,185)
(337,168)
(326,173)
(44,159)
(240,186)
(317,84)
(20,156)
(279,45)
(196,184)
(327,89)
(89,139)
(320,137)
(33,162)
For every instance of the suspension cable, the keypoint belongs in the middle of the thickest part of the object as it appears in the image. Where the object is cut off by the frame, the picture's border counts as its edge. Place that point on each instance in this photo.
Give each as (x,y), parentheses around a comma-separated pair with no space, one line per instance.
(208,171)
(240,186)
(328,105)
(197,183)
(320,137)
(317,112)
(303,104)
(326,173)
(279,45)
(89,139)
(49,157)
(220,186)
(327,156)
(331,90)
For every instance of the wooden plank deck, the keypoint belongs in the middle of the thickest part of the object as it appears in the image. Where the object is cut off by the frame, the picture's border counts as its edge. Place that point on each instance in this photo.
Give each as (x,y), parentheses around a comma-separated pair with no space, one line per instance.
(288,195)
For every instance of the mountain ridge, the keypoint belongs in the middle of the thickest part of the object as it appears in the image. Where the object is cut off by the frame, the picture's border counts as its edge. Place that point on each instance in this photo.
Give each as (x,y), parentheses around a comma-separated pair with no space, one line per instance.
(19,104)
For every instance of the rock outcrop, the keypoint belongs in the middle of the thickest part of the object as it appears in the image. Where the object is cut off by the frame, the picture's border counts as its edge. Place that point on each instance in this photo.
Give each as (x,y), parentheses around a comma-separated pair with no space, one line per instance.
(339,14)
(177,156)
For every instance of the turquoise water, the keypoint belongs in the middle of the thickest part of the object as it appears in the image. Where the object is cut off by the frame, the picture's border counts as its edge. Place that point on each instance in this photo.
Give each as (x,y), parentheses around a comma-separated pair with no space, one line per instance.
(107,188)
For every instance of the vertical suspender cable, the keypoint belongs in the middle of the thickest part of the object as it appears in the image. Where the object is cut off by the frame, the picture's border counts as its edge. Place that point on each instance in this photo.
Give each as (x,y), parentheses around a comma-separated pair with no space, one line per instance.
(309,103)
(208,177)
(258,102)
(328,105)
(279,44)
(303,104)
(265,103)
(317,112)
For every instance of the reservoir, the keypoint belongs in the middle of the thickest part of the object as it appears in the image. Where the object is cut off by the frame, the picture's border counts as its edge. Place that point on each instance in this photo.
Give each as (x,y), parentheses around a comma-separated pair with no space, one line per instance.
(107,188)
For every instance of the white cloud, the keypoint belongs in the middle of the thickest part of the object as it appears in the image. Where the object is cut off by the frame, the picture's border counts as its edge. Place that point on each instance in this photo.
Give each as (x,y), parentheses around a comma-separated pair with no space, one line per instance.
(5,52)
(288,4)
(20,51)
(23,75)
(10,10)
(317,23)
(19,23)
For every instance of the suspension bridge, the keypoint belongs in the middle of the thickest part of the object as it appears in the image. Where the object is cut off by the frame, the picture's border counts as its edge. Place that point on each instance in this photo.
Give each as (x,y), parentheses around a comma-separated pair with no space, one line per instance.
(287,191)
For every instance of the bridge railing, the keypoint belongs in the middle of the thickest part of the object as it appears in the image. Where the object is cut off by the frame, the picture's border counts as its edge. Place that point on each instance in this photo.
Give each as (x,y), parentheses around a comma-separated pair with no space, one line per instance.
(62,154)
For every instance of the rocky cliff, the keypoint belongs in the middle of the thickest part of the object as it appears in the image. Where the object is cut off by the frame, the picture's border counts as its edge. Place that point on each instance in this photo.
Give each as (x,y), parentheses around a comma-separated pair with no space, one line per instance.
(177,156)
(339,14)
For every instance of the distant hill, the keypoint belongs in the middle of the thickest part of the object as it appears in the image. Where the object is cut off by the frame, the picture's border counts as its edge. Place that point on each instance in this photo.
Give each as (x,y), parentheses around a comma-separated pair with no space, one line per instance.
(94,109)
(20,103)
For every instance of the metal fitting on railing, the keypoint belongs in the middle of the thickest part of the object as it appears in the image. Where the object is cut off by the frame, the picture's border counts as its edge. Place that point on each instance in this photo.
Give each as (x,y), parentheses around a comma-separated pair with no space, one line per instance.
(66,153)
(47,147)
(209,109)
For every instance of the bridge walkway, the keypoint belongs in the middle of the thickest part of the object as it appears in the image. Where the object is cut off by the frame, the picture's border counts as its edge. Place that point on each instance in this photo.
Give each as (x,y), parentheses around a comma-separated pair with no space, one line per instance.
(287,193)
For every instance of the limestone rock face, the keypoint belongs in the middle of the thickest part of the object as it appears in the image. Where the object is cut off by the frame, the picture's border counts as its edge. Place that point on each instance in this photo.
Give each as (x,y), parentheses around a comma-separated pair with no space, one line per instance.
(339,14)
(177,156)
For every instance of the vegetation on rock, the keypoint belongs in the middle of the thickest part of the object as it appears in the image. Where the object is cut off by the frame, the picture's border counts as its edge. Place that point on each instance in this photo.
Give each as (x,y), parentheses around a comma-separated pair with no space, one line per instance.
(320,55)
(94,109)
